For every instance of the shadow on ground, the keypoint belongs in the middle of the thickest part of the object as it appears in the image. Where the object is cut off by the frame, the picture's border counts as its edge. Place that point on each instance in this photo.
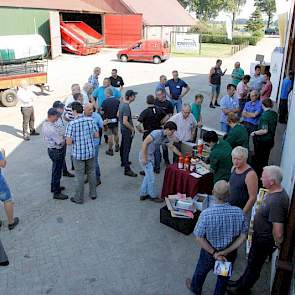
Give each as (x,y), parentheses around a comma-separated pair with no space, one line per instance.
(113,245)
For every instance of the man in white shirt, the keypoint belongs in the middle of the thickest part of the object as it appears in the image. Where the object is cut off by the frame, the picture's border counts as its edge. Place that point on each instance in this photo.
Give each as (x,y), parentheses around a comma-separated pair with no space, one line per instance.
(75,88)
(26,96)
(186,126)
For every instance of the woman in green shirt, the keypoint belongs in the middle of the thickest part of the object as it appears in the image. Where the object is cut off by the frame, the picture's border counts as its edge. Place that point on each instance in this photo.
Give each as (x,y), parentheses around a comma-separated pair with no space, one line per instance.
(263,138)
(237,74)
(238,134)
(196,111)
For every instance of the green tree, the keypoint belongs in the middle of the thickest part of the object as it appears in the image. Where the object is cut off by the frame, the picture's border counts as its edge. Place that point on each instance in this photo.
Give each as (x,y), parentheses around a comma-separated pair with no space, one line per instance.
(268,7)
(185,3)
(255,24)
(234,7)
(205,9)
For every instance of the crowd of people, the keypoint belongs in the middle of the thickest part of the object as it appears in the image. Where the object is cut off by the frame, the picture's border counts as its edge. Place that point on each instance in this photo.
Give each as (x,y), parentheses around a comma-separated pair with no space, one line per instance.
(96,112)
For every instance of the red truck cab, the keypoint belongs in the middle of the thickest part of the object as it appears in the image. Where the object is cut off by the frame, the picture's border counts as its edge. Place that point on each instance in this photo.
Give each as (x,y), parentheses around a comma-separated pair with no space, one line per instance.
(146,50)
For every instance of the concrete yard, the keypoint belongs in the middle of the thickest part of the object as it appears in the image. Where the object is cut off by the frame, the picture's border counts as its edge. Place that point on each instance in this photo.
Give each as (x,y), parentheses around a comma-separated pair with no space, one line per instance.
(115,244)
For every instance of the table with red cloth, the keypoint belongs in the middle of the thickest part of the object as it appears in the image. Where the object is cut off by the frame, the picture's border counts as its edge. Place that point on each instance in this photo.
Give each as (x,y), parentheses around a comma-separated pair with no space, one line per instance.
(180,181)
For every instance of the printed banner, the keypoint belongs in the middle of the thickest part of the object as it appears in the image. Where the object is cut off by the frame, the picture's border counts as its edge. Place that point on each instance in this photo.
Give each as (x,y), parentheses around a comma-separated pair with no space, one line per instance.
(187,42)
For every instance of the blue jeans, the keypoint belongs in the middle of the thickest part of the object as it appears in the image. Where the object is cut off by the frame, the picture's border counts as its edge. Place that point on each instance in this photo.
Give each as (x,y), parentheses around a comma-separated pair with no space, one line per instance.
(57,156)
(148,183)
(224,127)
(177,103)
(97,169)
(158,156)
(205,264)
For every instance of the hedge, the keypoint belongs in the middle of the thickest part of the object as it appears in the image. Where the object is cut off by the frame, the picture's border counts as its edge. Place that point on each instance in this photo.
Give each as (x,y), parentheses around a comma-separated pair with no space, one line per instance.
(222,39)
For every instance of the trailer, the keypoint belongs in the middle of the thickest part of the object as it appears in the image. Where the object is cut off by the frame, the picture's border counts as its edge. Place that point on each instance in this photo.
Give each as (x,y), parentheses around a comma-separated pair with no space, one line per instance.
(11,75)
(79,38)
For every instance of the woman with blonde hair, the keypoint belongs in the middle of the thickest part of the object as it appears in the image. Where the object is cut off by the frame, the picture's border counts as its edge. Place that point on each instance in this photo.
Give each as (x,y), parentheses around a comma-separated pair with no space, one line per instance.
(243,181)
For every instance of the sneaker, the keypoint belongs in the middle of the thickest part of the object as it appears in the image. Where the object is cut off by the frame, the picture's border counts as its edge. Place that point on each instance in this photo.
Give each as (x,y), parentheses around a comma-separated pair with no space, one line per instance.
(34,133)
(142,173)
(26,137)
(211,106)
(68,174)
(130,173)
(60,196)
(142,198)
(72,199)
(110,152)
(14,224)
(117,148)
(4,263)
(62,188)
(157,200)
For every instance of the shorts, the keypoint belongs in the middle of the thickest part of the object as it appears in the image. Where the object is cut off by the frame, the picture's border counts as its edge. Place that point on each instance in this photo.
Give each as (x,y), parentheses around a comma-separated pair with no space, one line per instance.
(5,194)
(111,131)
(215,89)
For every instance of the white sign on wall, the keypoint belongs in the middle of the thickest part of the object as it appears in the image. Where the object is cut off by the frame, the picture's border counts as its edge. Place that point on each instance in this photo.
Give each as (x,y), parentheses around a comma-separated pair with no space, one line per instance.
(187,42)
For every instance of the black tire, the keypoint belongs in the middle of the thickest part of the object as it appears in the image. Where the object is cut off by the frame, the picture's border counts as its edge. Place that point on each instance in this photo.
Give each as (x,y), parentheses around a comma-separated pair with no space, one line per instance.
(157,60)
(9,98)
(124,58)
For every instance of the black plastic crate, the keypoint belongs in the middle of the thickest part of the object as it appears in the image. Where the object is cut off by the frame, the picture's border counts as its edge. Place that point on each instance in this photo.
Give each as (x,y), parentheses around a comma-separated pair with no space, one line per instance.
(183,225)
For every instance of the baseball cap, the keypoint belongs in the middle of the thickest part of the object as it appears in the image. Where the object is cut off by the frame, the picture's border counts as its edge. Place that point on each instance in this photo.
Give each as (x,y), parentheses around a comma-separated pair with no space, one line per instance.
(130,93)
(58,104)
(52,112)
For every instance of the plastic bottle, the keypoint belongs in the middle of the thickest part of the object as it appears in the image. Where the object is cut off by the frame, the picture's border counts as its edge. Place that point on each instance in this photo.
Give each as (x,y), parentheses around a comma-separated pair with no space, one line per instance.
(180,162)
(200,147)
(186,162)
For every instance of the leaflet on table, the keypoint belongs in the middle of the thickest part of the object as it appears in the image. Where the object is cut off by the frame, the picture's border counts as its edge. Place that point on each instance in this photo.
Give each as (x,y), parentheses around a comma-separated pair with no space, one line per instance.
(196,175)
(200,169)
(177,212)
(178,196)
(186,204)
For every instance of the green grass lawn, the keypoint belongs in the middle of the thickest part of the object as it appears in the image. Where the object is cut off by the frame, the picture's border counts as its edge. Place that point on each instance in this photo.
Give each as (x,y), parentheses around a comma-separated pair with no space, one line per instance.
(208,50)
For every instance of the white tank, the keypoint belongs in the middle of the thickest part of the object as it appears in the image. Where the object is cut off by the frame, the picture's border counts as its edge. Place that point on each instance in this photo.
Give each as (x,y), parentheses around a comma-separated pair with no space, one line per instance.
(20,48)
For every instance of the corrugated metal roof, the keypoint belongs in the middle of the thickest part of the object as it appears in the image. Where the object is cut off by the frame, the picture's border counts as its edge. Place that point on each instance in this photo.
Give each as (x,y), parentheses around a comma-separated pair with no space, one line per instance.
(161,12)
(68,5)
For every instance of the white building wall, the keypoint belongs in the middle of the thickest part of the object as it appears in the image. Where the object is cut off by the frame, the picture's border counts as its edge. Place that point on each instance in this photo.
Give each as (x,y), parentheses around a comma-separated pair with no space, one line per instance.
(162,32)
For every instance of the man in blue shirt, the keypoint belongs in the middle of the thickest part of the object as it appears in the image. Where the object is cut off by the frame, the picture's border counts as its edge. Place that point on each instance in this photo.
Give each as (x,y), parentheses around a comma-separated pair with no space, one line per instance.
(80,133)
(162,85)
(257,80)
(99,93)
(229,104)
(252,112)
(287,87)
(175,94)
(220,231)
